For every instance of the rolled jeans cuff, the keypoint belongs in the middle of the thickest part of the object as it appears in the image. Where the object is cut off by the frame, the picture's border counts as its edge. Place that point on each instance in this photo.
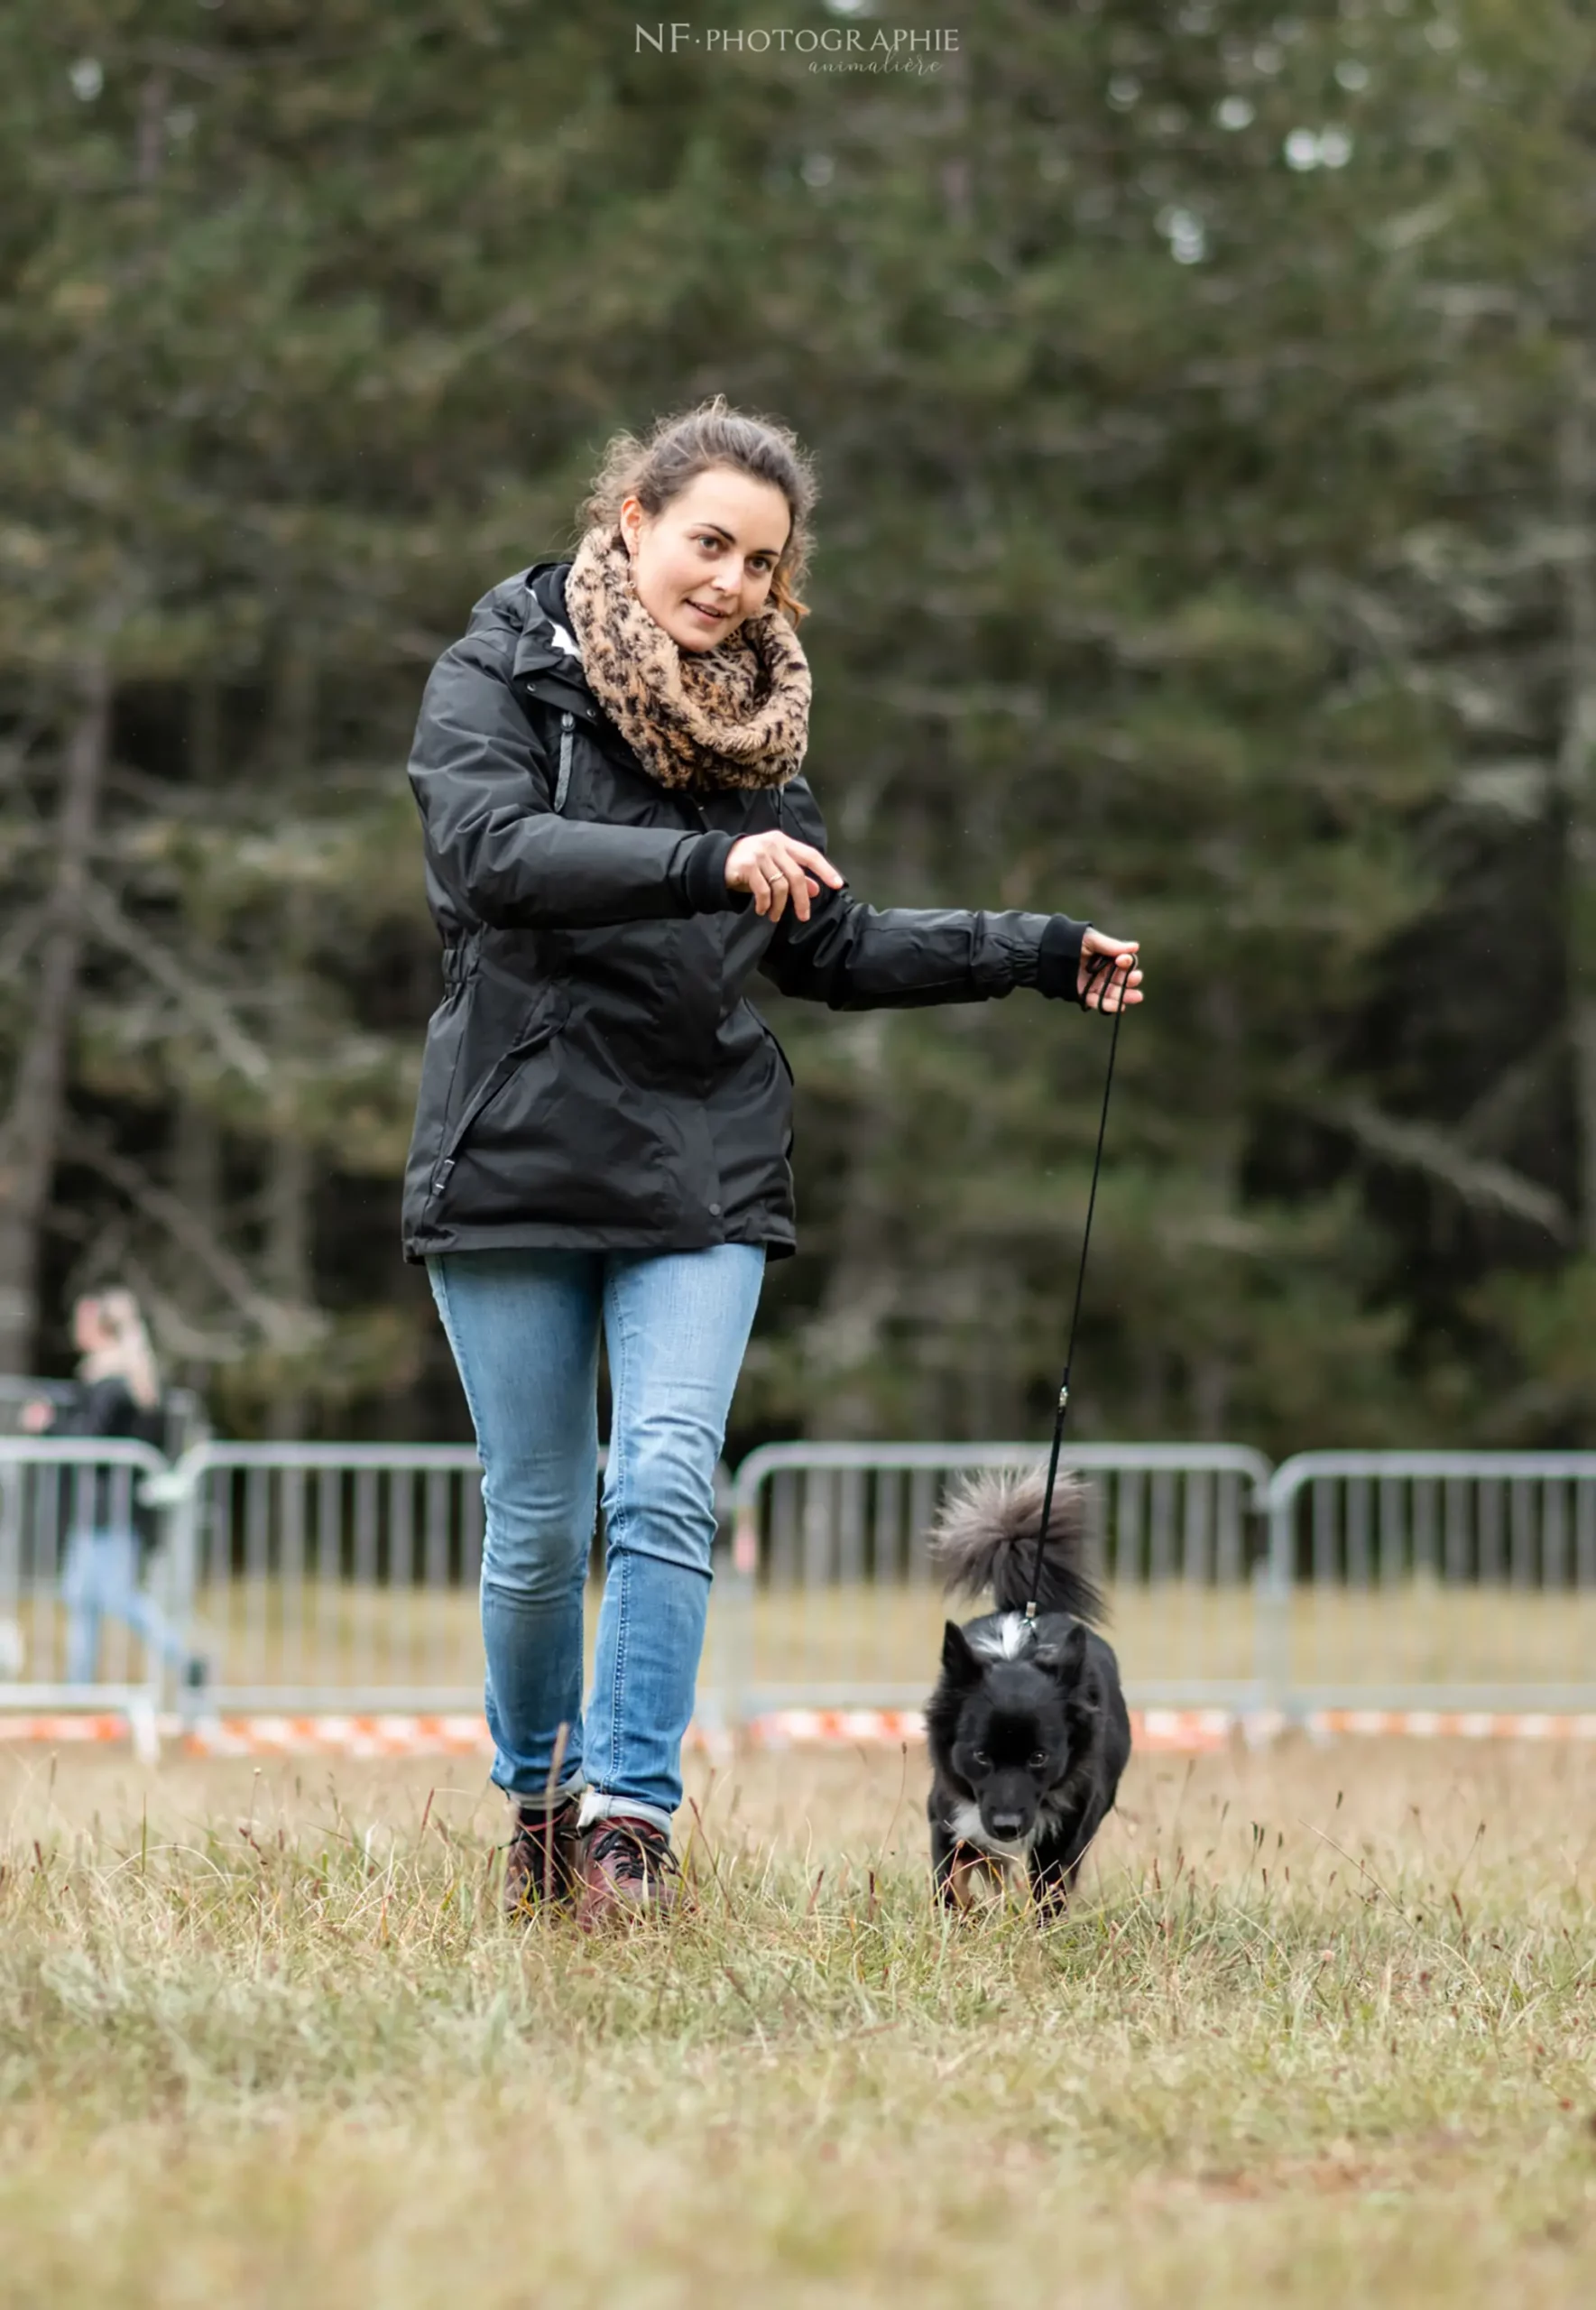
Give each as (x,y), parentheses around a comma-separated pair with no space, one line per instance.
(537,1800)
(598,1806)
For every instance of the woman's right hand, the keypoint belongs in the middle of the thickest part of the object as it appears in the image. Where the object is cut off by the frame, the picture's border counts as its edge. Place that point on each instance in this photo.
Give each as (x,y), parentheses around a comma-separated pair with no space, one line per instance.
(36,1415)
(775,868)
(1109,973)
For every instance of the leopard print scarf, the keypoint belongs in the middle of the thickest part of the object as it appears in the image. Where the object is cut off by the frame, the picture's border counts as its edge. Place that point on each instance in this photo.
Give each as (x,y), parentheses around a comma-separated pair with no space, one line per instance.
(737,715)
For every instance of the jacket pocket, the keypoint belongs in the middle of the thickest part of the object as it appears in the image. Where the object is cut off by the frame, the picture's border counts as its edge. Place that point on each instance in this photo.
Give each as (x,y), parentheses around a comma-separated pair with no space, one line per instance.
(769,1034)
(540,1029)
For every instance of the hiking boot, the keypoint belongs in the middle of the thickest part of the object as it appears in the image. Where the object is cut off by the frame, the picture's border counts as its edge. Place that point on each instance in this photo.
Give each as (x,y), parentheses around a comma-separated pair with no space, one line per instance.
(541,1860)
(627,1870)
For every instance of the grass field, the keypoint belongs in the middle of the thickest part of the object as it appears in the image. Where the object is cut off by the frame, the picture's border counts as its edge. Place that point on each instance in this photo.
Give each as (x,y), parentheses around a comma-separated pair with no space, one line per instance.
(1318,2032)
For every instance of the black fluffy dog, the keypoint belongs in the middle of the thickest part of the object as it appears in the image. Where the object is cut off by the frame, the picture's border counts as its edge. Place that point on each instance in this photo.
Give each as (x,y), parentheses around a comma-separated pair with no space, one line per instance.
(1028,1726)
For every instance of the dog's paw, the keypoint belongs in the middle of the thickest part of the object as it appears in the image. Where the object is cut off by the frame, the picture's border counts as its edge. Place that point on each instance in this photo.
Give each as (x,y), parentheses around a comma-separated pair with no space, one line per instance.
(972,1879)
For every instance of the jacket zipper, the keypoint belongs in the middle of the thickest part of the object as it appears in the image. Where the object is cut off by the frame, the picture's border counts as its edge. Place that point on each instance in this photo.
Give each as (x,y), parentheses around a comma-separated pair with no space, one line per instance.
(563,784)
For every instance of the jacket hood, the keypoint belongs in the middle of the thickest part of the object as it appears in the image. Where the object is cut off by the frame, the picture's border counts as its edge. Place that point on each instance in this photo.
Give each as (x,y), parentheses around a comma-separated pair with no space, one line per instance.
(547,620)
(545,661)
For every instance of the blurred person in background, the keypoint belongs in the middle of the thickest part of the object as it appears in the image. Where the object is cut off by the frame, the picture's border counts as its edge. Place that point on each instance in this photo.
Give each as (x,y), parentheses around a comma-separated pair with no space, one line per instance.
(116,1393)
(616,837)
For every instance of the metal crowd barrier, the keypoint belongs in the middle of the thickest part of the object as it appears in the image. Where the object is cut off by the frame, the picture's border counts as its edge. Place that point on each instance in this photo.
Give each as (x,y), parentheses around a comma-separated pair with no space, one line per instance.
(338,1575)
(60,1499)
(1433,1581)
(331,1575)
(836,1602)
(343,1577)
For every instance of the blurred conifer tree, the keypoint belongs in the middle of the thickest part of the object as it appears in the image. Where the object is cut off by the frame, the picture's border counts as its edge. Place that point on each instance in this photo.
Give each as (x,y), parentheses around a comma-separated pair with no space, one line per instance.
(1202,400)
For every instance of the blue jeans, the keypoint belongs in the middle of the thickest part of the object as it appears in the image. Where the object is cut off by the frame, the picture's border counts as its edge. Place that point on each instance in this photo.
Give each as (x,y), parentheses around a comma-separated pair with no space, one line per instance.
(524,1327)
(101,1578)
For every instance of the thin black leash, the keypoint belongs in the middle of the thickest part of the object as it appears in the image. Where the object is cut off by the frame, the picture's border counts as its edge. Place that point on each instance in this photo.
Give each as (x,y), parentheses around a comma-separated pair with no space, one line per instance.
(1093,972)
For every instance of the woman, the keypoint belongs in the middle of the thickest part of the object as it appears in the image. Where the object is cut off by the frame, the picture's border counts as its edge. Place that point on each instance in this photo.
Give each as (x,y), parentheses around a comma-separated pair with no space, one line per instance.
(119,1394)
(617,836)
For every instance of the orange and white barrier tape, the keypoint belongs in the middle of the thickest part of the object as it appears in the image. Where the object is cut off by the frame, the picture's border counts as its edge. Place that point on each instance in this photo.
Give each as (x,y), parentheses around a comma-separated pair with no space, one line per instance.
(64,1727)
(1451,1724)
(338,1736)
(377,1736)
(1198,1729)
(1151,1728)
(404,1734)
(791,1728)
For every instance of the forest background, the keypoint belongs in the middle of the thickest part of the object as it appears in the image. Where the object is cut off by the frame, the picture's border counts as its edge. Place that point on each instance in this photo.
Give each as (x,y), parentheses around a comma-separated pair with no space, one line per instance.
(1204,401)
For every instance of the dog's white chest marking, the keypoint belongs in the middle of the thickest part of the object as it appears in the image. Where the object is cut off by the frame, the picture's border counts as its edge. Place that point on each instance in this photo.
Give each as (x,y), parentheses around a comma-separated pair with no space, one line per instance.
(965,1821)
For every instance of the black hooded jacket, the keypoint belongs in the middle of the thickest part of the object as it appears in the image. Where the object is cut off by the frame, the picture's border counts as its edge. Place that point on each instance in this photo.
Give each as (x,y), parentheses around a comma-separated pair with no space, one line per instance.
(594,1077)
(106,1496)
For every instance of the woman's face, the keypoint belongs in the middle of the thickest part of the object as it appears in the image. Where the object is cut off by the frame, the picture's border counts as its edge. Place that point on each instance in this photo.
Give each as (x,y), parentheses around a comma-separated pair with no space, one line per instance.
(89,1328)
(704,562)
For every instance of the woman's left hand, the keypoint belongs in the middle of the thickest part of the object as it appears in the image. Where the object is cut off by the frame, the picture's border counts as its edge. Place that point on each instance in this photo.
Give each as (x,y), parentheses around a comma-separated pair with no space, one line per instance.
(1106,988)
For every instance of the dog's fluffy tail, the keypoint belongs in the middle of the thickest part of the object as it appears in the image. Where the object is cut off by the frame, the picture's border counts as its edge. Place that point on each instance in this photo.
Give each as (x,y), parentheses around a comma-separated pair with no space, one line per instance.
(986,1537)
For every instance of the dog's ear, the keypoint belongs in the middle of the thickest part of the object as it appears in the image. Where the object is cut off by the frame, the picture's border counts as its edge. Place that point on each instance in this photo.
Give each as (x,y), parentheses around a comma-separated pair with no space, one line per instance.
(1070,1659)
(1077,1683)
(959,1663)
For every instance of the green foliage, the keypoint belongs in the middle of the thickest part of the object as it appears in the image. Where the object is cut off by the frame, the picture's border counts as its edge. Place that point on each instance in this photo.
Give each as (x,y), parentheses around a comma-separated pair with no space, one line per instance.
(1186,388)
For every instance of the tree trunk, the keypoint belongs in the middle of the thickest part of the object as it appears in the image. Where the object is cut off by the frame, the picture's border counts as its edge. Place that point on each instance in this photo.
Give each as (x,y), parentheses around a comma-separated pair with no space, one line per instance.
(31,1132)
(197,1152)
(957,176)
(289,1254)
(1576,765)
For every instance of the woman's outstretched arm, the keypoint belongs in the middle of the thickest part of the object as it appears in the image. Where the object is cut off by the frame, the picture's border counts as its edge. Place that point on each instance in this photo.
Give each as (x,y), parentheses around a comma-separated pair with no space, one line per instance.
(856,957)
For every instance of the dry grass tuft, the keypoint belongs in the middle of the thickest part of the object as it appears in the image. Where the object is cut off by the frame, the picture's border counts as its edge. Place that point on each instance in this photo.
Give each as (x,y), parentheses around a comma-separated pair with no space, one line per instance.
(1315,2035)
